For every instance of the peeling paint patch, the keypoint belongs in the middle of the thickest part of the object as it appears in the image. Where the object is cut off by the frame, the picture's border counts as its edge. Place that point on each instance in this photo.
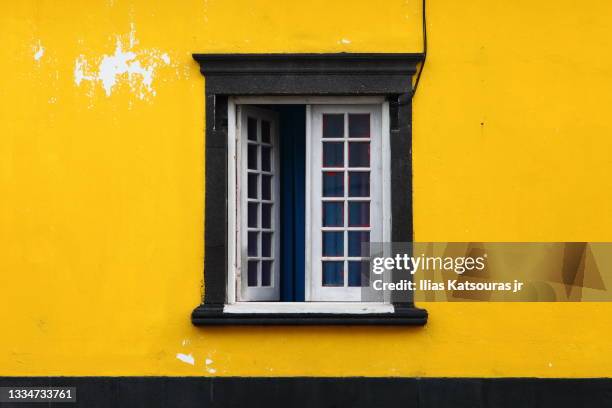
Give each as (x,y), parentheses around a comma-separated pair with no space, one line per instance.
(133,40)
(136,68)
(186,358)
(112,66)
(344,41)
(39,51)
(80,66)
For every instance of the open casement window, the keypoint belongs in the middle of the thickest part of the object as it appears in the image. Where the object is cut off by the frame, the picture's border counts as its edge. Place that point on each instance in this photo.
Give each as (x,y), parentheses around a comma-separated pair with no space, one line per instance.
(308,161)
(258,206)
(334,168)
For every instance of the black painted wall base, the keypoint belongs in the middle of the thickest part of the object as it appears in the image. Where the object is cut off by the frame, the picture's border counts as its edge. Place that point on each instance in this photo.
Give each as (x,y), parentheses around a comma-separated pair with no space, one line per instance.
(154,392)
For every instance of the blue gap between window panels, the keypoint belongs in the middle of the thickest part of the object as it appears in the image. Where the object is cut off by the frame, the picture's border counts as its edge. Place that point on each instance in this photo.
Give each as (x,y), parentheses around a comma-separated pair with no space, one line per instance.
(292,130)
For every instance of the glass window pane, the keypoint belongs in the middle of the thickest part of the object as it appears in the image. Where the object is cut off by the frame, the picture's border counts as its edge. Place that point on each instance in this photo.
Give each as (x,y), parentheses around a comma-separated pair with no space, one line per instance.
(266,273)
(359,125)
(252,273)
(253,244)
(333,214)
(359,154)
(359,184)
(252,129)
(333,125)
(252,162)
(266,187)
(333,243)
(333,154)
(333,184)
(265,131)
(266,158)
(252,217)
(356,241)
(358,273)
(266,244)
(253,182)
(266,216)
(359,214)
(332,273)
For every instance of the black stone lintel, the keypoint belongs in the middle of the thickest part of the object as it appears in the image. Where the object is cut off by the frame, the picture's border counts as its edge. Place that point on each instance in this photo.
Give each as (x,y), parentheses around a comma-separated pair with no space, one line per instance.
(308,74)
(326,64)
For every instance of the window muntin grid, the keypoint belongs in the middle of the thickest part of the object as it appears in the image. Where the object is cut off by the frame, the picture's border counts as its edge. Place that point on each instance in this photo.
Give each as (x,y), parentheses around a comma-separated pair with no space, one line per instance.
(261,202)
(345,210)
(345,197)
(258,208)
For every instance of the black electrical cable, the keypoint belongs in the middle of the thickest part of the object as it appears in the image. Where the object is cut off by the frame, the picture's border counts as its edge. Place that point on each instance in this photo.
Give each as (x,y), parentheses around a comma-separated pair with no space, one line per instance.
(418,78)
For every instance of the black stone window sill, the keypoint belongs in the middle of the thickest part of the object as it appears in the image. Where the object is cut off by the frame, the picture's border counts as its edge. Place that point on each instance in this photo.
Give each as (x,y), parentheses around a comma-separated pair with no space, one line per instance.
(213,315)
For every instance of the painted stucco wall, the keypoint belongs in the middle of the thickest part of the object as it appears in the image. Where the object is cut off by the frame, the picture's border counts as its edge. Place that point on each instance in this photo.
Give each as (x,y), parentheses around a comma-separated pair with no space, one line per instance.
(101,175)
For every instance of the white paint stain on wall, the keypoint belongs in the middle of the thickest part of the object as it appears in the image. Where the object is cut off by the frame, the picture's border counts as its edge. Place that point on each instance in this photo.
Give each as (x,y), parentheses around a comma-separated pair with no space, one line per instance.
(39,51)
(208,367)
(186,358)
(136,68)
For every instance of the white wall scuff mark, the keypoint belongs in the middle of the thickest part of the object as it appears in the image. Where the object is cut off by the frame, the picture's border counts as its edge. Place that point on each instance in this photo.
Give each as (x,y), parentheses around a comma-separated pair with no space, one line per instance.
(208,368)
(39,51)
(136,68)
(186,358)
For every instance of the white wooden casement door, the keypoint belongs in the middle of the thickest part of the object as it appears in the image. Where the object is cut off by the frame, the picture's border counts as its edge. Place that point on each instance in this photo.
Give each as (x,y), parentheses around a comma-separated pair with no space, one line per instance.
(258,206)
(344,175)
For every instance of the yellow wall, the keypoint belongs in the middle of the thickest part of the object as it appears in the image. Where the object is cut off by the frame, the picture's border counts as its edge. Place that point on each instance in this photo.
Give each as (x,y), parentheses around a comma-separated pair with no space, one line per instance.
(101,198)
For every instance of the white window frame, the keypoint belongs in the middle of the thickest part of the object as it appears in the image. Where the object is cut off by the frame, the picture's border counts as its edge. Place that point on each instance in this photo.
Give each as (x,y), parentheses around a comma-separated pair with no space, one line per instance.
(256,293)
(314,199)
(235,304)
